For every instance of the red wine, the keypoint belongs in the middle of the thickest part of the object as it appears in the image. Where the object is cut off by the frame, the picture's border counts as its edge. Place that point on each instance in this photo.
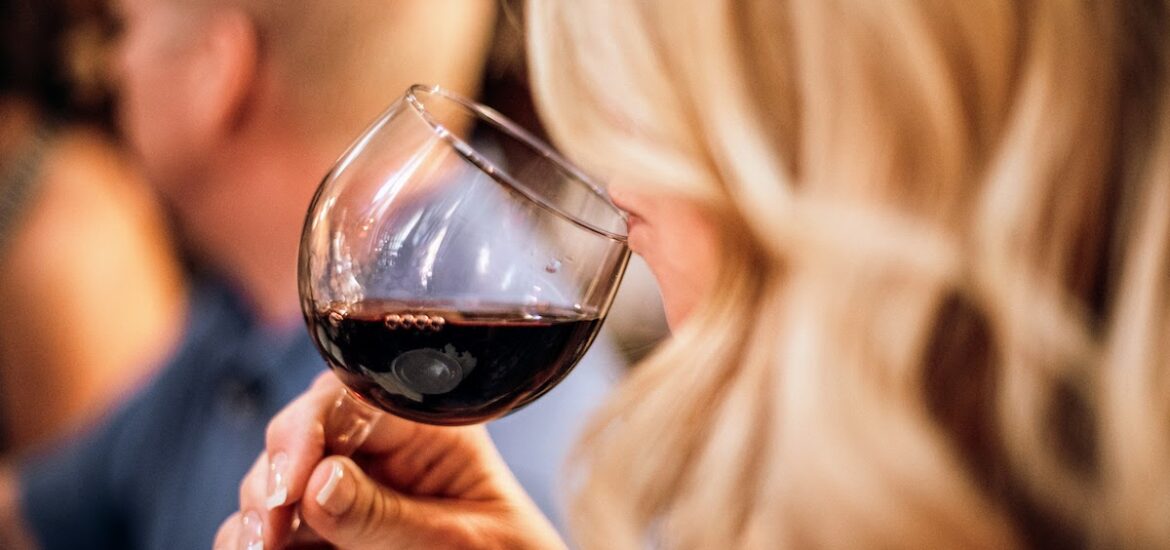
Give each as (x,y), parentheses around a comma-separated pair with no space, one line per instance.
(449,367)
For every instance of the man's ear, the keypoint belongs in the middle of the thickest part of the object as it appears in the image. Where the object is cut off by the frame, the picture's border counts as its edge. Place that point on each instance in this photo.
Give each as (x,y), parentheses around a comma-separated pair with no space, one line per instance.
(225,74)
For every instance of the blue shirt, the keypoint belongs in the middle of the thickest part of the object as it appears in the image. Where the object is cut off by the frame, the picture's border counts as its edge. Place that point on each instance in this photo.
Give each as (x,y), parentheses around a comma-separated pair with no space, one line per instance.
(163,471)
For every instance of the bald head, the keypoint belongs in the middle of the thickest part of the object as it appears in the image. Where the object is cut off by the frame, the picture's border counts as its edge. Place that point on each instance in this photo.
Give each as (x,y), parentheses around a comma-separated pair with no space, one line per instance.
(316,72)
(238,107)
(333,65)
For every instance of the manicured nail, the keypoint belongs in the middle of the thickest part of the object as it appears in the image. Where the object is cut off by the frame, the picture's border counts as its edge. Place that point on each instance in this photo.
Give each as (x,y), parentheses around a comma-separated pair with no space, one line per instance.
(277,481)
(295,522)
(326,497)
(252,532)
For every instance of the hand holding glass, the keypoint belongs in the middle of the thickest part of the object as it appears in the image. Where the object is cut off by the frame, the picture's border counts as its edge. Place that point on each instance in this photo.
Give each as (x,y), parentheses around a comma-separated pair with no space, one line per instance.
(453,268)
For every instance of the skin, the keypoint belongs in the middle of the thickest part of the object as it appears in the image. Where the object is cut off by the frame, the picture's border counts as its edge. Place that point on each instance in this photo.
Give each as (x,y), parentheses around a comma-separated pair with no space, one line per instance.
(151,56)
(421,486)
(678,241)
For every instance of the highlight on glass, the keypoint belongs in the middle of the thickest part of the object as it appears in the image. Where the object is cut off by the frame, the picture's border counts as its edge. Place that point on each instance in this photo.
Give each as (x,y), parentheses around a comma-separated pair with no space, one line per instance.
(454,268)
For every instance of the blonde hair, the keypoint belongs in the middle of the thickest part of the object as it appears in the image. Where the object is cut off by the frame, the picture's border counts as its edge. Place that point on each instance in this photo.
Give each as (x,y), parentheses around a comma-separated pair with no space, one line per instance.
(943,318)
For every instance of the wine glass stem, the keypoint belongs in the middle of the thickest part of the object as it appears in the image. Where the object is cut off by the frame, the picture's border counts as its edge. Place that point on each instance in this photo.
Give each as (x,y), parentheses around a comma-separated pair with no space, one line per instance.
(349,424)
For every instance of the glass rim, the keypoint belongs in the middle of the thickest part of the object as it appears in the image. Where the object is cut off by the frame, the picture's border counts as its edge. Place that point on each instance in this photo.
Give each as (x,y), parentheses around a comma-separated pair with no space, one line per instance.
(538,146)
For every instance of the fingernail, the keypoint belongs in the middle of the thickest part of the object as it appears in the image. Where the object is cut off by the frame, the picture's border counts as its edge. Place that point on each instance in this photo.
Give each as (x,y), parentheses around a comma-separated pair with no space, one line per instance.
(328,498)
(252,533)
(295,522)
(277,481)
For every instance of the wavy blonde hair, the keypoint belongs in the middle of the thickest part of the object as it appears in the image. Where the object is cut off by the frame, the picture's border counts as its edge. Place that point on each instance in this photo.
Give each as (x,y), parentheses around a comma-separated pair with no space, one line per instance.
(943,318)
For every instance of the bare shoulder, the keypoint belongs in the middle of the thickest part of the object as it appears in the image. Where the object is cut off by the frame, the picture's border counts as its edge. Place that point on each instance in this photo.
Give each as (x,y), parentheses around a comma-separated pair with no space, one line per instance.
(91,243)
(89,197)
(89,156)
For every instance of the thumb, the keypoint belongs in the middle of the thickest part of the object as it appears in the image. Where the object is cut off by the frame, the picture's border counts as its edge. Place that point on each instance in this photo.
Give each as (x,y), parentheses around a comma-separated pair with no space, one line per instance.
(350,510)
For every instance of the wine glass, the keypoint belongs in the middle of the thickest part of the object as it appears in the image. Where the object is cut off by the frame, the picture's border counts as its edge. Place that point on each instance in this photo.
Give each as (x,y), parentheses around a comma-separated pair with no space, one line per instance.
(453,268)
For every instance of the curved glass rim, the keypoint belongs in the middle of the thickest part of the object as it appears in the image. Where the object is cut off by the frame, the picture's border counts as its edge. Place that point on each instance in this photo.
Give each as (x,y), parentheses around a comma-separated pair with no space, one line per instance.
(505,125)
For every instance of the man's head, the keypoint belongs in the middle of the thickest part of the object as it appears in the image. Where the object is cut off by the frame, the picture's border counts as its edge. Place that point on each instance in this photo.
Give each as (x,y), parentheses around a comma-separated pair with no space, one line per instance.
(199,74)
(237,107)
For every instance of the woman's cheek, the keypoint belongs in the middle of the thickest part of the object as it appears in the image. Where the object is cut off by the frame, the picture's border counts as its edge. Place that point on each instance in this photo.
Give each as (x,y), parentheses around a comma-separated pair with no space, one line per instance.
(683,256)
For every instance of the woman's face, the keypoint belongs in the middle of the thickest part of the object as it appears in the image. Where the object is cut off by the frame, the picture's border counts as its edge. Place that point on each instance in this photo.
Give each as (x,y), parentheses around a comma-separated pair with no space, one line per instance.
(678,241)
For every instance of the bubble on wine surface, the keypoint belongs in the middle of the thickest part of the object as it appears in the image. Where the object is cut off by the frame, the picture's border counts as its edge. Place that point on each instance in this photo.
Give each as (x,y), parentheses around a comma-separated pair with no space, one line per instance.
(395,321)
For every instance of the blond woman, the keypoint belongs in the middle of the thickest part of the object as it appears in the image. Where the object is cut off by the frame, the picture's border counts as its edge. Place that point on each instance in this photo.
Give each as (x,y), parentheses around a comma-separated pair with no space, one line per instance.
(916,256)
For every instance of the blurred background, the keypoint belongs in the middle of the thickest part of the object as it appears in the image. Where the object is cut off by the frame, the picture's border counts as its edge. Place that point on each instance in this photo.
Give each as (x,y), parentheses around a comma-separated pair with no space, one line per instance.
(91,271)
(90,277)
(149,322)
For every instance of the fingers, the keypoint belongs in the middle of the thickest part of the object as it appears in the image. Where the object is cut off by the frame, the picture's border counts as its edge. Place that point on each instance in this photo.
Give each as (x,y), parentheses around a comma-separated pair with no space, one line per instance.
(350,510)
(347,508)
(430,486)
(225,537)
(240,531)
(405,457)
(272,526)
(295,442)
(229,533)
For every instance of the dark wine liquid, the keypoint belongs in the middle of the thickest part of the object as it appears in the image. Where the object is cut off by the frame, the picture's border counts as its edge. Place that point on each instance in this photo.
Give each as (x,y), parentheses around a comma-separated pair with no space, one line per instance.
(449,367)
